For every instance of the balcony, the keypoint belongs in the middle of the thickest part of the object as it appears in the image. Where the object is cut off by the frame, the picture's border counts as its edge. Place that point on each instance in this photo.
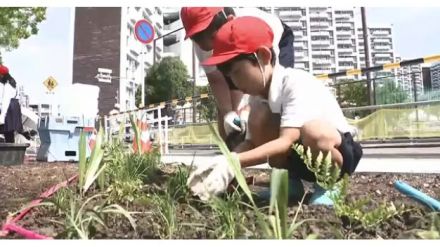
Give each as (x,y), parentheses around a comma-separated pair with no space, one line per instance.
(381,33)
(322,71)
(344,33)
(345,25)
(321,43)
(319,25)
(381,62)
(344,16)
(321,53)
(299,66)
(345,67)
(321,34)
(298,34)
(383,55)
(381,47)
(295,25)
(300,45)
(382,40)
(345,42)
(347,59)
(299,54)
(322,15)
(321,61)
(346,50)
(292,14)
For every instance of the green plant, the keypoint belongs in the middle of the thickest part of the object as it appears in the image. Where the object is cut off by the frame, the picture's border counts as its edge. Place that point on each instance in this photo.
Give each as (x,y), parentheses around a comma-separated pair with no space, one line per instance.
(62,199)
(275,225)
(90,170)
(327,175)
(434,231)
(176,184)
(127,172)
(166,212)
(82,219)
(137,135)
(327,172)
(229,214)
(360,210)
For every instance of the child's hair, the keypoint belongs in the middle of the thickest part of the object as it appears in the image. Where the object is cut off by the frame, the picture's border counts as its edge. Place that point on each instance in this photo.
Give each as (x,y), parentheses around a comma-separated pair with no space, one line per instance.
(225,67)
(217,22)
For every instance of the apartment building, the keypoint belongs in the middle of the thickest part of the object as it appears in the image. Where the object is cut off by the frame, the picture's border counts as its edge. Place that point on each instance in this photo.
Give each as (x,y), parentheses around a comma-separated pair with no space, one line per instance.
(328,39)
(104,42)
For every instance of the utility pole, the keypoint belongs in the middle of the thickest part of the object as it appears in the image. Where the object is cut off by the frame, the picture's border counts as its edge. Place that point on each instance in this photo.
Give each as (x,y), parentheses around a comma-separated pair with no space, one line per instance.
(194,83)
(370,85)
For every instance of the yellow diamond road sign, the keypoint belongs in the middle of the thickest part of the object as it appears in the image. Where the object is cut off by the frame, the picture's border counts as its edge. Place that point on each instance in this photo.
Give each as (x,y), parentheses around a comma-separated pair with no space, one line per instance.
(50,83)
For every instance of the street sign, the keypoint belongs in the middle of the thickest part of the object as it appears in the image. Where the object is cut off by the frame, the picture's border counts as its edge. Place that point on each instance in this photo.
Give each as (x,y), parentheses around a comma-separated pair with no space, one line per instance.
(144,31)
(50,83)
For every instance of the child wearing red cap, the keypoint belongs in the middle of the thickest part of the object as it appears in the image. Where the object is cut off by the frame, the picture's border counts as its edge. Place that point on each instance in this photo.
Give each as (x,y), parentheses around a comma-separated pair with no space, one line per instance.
(308,112)
(201,23)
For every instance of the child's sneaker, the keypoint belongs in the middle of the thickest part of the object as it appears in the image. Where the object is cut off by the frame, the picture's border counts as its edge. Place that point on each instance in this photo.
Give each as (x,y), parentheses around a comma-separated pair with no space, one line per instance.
(321,196)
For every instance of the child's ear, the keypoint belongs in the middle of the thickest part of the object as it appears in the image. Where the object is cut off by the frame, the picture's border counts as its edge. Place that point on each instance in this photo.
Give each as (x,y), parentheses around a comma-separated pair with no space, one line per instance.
(264,54)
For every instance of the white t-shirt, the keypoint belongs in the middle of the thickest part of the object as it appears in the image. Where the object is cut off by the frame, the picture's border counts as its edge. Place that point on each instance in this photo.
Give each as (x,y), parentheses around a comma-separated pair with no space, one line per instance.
(273,21)
(299,97)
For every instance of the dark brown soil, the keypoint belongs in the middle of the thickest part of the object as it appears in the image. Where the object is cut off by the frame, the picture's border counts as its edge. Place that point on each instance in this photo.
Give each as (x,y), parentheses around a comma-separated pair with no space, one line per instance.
(194,219)
(23,183)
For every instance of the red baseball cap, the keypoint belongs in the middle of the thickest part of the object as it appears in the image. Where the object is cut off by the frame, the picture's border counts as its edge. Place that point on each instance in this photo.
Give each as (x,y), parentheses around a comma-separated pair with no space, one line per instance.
(197,19)
(3,70)
(240,35)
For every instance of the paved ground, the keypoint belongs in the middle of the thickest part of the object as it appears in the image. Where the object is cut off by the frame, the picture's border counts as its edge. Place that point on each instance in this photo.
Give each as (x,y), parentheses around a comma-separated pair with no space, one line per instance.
(397,159)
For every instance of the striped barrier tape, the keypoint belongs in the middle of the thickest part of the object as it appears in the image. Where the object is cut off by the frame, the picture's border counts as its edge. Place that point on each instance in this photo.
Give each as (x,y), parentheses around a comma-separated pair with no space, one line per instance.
(350,72)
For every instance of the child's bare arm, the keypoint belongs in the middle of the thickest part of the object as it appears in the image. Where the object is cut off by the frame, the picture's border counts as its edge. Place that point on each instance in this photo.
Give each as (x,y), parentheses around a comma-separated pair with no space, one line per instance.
(276,147)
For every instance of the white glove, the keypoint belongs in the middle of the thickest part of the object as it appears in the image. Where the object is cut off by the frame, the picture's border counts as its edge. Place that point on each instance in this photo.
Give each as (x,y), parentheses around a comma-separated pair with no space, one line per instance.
(229,124)
(212,179)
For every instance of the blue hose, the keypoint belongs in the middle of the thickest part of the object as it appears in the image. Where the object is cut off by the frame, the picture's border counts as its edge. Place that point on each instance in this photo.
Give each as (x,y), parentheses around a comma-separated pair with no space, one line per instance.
(417,195)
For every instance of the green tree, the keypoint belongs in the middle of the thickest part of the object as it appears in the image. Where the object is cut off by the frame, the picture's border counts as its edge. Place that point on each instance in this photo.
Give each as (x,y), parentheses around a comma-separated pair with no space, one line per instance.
(352,94)
(207,106)
(17,24)
(166,80)
(387,92)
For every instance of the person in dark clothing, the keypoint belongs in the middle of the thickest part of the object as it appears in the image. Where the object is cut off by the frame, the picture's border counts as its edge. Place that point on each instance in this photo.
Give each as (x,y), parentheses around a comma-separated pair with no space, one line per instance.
(10,114)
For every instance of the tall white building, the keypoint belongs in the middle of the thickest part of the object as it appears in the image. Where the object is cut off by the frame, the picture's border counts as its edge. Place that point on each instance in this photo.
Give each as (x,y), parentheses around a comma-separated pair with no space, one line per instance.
(329,40)
(176,46)
(104,40)
(408,76)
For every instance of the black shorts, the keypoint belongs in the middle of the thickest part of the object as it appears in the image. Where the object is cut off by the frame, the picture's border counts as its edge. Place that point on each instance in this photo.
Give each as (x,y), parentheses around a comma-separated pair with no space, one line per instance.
(351,152)
(286,56)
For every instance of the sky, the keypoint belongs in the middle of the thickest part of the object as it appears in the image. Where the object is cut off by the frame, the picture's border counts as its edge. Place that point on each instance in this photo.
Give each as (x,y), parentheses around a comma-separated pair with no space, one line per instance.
(49,52)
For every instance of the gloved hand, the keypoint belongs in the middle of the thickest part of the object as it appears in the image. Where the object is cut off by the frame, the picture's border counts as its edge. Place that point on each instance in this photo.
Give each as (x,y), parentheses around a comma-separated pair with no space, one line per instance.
(232,123)
(212,179)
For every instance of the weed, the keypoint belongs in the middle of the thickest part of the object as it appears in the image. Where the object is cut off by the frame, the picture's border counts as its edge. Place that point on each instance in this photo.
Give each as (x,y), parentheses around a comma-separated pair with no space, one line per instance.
(229,214)
(176,184)
(166,212)
(434,231)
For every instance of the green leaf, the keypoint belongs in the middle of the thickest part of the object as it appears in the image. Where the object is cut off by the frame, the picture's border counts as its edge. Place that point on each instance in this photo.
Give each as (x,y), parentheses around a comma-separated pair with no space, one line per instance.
(136,134)
(279,186)
(82,159)
(234,163)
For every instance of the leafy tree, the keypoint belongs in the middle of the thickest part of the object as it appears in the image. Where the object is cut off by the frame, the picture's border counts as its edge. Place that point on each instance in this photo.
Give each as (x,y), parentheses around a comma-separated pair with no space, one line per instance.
(17,24)
(166,80)
(388,92)
(207,106)
(353,93)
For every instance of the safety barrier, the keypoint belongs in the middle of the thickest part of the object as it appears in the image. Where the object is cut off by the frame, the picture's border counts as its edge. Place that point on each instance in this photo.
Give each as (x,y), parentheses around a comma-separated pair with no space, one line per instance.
(409,120)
